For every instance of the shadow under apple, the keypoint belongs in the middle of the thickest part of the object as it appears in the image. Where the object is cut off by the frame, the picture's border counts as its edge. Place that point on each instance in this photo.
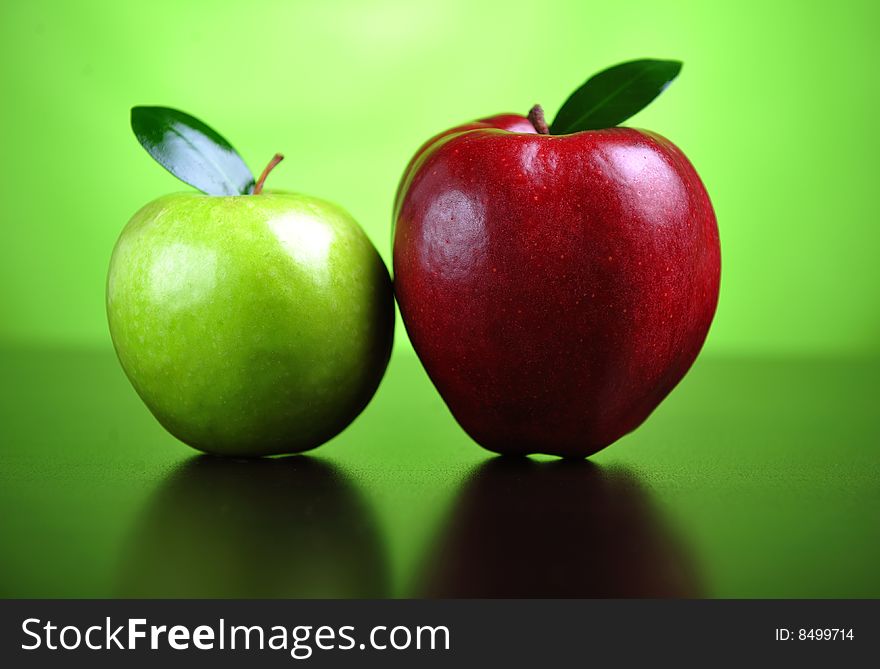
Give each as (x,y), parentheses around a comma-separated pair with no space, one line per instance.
(522,528)
(292,527)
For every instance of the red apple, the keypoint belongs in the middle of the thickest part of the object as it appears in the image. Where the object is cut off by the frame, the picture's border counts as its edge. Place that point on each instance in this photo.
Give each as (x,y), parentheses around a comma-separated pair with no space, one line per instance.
(555,287)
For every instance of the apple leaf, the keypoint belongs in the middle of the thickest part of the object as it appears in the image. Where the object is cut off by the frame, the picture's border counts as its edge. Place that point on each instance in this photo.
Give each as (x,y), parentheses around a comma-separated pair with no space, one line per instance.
(191,151)
(613,95)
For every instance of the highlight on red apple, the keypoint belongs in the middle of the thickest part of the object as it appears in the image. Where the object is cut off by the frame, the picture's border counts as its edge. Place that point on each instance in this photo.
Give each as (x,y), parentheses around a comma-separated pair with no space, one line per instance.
(557,280)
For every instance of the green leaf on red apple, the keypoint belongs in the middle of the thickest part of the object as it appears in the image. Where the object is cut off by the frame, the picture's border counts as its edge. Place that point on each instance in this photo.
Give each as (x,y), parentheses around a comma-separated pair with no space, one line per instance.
(613,95)
(193,152)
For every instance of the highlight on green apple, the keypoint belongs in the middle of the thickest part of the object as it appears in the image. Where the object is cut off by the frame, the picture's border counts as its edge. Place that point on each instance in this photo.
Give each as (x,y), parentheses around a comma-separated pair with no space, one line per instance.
(251,322)
(557,280)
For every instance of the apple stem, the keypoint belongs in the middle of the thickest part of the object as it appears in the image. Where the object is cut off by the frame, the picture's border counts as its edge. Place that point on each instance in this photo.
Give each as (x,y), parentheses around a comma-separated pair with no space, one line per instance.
(536,116)
(258,187)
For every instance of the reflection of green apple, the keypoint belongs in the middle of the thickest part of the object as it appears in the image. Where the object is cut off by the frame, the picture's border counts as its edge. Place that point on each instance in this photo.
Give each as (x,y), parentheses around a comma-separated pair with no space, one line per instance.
(250,324)
(292,527)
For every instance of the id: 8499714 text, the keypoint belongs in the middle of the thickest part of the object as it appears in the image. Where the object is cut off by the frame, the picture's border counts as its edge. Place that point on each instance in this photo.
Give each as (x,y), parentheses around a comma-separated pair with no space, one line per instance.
(815,634)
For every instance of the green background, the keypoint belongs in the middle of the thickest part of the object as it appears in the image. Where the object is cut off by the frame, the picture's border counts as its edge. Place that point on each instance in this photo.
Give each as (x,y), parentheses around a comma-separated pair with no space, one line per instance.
(775,106)
(762,466)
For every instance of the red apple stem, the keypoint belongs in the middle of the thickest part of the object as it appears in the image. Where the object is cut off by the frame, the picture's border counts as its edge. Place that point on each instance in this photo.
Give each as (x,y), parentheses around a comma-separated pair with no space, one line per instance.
(258,187)
(536,116)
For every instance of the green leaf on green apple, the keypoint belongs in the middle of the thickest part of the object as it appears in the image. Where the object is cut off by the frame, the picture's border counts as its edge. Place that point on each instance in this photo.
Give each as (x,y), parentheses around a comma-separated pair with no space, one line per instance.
(610,97)
(193,152)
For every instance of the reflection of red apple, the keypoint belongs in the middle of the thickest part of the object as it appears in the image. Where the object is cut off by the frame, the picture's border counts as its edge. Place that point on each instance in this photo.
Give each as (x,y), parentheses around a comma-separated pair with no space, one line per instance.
(555,287)
(521,528)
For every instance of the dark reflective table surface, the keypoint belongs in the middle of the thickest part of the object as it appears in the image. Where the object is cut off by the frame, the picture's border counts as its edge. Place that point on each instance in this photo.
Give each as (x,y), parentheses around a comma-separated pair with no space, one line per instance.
(756,478)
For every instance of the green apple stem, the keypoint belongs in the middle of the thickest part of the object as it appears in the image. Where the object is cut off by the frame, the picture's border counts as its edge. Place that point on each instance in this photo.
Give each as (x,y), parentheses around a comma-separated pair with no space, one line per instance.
(258,188)
(536,116)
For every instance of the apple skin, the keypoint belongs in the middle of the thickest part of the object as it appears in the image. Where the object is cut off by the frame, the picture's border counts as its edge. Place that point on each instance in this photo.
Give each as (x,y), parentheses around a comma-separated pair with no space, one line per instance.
(250,325)
(555,288)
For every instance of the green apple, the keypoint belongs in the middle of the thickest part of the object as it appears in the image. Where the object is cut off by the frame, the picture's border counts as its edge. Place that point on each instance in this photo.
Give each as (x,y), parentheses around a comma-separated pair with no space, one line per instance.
(250,324)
